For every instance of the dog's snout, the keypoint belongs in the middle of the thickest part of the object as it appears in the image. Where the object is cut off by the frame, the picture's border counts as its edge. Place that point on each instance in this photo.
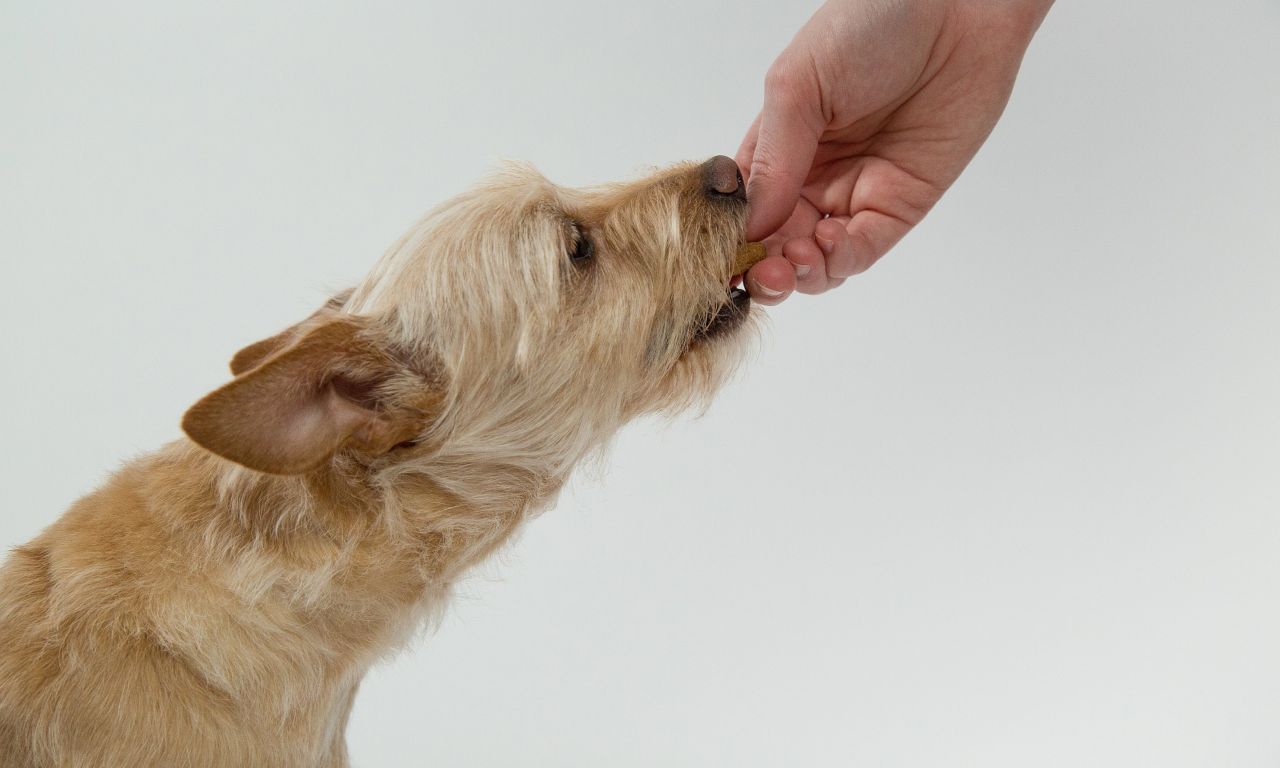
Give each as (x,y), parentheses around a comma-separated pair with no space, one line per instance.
(721,178)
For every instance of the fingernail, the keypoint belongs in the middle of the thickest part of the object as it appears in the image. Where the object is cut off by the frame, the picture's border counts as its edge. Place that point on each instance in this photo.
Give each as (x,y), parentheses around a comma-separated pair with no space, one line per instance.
(763,291)
(802,270)
(826,245)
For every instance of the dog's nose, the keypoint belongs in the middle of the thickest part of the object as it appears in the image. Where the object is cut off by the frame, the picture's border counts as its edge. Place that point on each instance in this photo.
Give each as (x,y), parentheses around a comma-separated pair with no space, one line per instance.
(721,178)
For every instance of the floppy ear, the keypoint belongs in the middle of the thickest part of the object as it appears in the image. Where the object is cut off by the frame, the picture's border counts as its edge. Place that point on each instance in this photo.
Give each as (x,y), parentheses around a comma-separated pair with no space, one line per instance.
(294,409)
(258,351)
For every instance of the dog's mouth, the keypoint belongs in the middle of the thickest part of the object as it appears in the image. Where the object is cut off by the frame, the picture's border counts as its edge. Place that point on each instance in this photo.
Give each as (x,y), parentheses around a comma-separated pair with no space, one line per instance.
(729,315)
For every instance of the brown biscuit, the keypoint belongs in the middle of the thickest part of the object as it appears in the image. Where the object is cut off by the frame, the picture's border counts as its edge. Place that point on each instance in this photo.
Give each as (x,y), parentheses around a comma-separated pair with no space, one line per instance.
(748,255)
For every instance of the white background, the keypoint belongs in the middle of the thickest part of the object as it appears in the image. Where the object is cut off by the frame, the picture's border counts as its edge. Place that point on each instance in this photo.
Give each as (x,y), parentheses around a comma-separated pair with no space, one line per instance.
(1011,498)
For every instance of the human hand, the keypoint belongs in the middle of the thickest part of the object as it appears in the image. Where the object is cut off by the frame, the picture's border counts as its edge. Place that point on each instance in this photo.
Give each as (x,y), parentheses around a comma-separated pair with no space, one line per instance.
(869,115)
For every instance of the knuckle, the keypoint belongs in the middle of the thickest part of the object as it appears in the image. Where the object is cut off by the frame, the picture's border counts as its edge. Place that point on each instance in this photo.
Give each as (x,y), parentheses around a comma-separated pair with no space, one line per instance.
(785,79)
(792,84)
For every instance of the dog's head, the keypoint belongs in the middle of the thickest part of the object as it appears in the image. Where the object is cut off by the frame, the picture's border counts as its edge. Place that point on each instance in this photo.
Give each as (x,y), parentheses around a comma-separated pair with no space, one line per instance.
(518,324)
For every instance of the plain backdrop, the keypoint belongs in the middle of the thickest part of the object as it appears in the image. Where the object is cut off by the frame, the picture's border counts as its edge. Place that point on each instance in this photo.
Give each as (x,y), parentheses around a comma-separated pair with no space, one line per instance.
(1010,498)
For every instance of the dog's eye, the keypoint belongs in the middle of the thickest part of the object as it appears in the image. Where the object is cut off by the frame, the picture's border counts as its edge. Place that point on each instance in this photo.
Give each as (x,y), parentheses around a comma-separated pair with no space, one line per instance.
(581,248)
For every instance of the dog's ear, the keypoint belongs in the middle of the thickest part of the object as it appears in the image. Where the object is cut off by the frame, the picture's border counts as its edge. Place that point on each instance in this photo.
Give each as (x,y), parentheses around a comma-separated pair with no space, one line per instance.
(255,353)
(258,351)
(334,386)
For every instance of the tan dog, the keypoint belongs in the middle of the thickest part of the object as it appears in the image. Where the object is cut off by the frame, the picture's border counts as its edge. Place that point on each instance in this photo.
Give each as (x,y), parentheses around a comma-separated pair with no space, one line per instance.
(216,603)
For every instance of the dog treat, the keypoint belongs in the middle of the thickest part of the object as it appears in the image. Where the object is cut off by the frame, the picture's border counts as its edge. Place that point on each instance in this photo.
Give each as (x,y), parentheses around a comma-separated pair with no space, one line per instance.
(749,254)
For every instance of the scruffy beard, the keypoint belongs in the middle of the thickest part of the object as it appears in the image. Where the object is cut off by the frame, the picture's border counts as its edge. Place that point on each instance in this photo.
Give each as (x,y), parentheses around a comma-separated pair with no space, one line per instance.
(706,365)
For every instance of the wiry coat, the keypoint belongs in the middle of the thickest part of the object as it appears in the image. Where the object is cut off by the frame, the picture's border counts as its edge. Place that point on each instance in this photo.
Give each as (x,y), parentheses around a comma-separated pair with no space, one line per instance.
(216,603)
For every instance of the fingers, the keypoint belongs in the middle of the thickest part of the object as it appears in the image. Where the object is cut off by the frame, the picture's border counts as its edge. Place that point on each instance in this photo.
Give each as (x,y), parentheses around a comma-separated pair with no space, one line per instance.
(786,139)
(837,249)
(802,267)
(833,239)
(870,235)
(771,281)
(808,264)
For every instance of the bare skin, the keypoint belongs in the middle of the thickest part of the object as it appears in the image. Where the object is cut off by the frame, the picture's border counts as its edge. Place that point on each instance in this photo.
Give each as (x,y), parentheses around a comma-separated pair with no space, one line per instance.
(870,114)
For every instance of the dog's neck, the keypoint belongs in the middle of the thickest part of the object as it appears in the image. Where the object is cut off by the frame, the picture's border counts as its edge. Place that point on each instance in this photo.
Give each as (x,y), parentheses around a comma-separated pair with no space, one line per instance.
(343,565)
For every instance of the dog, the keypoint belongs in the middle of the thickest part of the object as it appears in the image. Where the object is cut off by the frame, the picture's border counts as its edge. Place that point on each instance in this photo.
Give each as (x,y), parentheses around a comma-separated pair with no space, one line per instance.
(217,602)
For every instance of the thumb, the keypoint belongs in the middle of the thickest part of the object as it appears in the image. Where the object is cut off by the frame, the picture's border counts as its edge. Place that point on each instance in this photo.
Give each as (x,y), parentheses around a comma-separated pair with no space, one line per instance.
(790,126)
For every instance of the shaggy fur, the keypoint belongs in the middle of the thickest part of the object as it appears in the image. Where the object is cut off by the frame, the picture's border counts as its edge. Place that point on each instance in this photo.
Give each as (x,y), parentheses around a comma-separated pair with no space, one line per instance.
(216,603)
